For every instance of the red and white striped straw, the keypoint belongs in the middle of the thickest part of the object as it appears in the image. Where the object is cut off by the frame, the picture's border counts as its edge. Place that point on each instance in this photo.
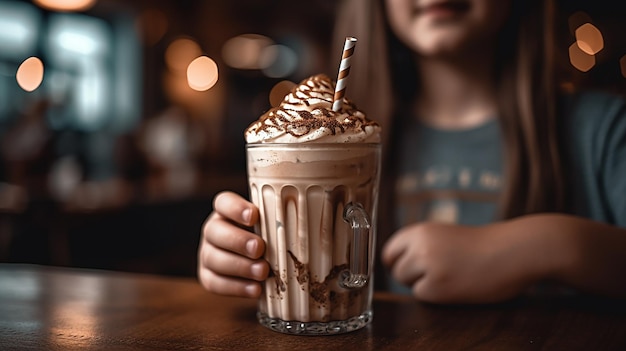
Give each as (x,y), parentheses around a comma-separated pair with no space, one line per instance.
(344,71)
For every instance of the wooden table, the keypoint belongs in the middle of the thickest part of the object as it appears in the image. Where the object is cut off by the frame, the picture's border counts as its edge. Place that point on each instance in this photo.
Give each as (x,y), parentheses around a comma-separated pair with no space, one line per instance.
(47,308)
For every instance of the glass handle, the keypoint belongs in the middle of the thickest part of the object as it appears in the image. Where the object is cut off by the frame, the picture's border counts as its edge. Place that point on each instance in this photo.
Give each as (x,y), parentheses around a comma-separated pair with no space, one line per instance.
(358,273)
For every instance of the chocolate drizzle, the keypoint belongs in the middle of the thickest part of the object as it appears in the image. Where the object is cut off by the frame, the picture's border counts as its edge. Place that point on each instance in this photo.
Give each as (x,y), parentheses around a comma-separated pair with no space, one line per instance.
(303,272)
(280,284)
(308,108)
(320,292)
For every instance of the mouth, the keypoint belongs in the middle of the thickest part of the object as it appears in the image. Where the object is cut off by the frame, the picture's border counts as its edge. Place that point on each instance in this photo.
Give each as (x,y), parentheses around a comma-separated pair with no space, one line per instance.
(446,8)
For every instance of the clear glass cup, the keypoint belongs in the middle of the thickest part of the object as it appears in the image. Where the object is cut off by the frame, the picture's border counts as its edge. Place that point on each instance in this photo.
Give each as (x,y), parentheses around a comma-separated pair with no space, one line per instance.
(318,205)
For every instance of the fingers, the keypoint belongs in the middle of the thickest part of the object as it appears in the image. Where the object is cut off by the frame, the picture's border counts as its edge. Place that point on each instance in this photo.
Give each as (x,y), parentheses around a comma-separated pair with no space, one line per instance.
(406,270)
(234,207)
(230,256)
(231,286)
(223,272)
(220,232)
(229,259)
(392,250)
(226,263)
(400,256)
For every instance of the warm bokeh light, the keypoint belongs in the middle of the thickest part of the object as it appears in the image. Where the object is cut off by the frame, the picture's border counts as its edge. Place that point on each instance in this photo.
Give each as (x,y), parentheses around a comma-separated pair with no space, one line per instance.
(278,92)
(580,59)
(152,24)
(181,52)
(66,5)
(202,73)
(244,51)
(622,65)
(589,39)
(30,74)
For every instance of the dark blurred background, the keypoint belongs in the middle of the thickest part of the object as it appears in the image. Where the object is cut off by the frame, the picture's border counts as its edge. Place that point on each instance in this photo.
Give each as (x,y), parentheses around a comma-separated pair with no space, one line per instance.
(110,156)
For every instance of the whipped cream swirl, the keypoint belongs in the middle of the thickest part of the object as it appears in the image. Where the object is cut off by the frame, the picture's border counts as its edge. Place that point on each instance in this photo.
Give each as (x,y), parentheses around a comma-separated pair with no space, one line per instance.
(306,115)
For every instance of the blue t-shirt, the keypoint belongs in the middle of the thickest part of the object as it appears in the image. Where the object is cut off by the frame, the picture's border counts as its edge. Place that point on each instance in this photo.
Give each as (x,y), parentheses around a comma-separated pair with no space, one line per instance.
(449,176)
(456,176)
(595,142)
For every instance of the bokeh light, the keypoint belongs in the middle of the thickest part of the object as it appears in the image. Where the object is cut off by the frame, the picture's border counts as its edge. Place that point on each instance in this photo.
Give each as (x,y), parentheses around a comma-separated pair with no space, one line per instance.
(181,52)
(589,39)
(580,59)
(66,5)
(20,24)
(244,51)
(202,73)
(278,61)
(279,90)
(30,74)
(622,65)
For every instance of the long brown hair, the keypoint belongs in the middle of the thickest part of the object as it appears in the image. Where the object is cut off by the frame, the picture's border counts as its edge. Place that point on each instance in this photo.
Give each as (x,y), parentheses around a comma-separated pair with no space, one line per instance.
(526,82)
(528,108)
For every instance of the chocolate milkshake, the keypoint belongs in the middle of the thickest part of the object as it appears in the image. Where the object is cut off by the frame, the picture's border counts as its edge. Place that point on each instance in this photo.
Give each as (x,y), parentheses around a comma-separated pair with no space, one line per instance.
(314,173)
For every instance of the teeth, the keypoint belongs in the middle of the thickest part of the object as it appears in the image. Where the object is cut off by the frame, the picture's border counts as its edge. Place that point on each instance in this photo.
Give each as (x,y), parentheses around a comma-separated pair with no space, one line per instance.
(306,115)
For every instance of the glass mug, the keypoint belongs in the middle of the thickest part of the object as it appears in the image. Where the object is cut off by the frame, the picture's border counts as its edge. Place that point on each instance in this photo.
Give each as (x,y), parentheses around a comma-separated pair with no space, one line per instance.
(318,209)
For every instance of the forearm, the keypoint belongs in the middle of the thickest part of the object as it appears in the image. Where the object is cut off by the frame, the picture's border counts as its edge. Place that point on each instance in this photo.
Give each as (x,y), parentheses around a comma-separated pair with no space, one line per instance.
(586,255)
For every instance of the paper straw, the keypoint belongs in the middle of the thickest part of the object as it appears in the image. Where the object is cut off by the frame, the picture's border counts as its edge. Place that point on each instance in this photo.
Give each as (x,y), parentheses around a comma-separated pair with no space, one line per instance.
(344,71)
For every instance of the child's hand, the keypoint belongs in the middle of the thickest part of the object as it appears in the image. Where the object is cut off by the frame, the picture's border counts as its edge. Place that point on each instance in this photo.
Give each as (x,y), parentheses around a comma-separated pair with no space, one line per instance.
(445,263)
(229,256)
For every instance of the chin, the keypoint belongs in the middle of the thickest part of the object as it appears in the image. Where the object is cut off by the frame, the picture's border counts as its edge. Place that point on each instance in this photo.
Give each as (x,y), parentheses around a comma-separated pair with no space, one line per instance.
(439,48)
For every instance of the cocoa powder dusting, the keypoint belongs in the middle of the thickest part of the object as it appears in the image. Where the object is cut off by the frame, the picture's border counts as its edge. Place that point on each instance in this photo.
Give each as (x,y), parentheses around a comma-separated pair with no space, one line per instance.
(299,122)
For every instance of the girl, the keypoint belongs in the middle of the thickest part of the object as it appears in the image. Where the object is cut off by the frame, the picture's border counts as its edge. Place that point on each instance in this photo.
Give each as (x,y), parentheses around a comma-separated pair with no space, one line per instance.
(496,180)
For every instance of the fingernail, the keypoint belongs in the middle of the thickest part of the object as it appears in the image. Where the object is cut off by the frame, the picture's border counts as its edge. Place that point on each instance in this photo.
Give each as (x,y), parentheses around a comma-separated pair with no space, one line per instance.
(252,290)
(257,270)
(251,247)
(246,215)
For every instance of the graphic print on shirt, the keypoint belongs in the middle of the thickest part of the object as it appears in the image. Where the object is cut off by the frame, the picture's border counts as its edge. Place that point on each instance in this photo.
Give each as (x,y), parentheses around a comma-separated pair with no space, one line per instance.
(443,194)
(451,176)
